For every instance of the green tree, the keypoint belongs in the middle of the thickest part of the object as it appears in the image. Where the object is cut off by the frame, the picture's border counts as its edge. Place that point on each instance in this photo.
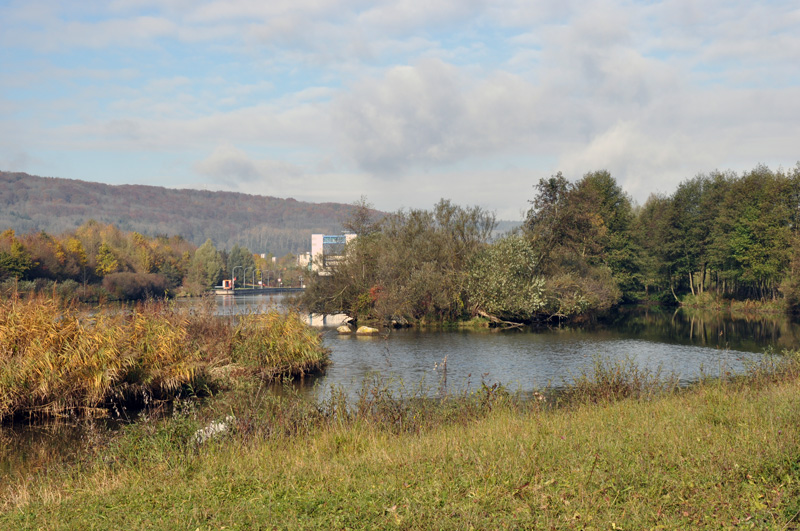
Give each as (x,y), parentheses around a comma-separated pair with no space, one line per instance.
(413,267)
(206,267)
(581,235)
(240,260)
(504,281)
(610,214)
(757,218)
(15,261)
(648,232)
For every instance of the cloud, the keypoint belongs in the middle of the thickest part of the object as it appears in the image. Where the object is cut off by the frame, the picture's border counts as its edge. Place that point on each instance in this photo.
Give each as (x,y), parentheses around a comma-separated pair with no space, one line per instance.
(432,113)
(57,35)
(16,160)
(231,166)
(402,97)
(689,132)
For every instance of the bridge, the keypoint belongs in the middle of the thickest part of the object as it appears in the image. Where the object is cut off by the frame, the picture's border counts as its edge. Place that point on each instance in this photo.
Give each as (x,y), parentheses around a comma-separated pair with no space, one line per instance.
(255,291)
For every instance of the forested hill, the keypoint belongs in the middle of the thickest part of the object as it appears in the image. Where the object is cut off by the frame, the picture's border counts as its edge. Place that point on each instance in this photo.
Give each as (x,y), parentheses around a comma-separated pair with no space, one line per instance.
(263,224)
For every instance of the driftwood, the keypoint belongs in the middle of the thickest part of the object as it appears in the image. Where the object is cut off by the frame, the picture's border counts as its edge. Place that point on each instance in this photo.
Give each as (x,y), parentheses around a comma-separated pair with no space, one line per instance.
(498,321)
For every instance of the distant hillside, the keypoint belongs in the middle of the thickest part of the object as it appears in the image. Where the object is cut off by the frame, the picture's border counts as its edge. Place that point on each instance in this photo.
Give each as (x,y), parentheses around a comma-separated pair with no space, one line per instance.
(263,224)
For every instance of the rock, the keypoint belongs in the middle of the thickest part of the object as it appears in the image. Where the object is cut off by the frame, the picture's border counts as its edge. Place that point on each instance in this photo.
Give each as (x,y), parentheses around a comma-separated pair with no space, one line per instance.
(367,331)
(399,322)
(344,329)
(213,430)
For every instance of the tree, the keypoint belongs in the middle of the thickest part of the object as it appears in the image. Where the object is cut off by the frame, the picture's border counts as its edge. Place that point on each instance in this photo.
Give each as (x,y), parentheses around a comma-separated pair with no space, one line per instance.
(15,261)
(610,218)
(362,219)
(504,281)
(413,266)
(547,221)
(106,260)
(581,237)
(206,266)
(757,218)
(240,260)
(649,234)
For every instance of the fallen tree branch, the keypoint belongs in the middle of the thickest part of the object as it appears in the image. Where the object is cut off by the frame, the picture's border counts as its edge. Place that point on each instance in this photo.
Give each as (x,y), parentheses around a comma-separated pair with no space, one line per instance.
(497,320)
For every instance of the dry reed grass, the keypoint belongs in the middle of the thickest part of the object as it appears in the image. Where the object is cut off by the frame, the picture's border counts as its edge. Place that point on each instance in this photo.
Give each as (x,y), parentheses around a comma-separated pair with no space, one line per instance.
(57,358)
(291,347)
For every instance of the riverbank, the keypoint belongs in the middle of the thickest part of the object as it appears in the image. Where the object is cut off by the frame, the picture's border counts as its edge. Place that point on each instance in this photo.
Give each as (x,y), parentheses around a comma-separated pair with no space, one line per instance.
(719,455)
(57,358)
(714,303)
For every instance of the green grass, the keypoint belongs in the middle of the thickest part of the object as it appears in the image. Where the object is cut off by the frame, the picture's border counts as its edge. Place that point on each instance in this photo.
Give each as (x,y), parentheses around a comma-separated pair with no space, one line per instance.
(722,455)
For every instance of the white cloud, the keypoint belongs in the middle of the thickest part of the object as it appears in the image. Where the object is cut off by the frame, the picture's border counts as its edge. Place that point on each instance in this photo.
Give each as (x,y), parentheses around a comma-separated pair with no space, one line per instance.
(433,113)
(233,167)
(404,100)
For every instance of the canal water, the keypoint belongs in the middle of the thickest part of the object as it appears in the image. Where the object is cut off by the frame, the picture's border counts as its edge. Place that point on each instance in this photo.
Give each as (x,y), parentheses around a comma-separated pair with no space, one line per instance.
(687,345)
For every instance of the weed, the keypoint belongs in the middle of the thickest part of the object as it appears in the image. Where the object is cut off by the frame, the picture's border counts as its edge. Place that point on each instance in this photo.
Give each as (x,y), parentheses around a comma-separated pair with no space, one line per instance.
(611,380)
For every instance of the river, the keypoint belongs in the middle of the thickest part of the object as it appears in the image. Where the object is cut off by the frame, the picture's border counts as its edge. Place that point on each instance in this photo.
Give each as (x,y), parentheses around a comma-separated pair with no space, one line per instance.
(415,362)
(688,345)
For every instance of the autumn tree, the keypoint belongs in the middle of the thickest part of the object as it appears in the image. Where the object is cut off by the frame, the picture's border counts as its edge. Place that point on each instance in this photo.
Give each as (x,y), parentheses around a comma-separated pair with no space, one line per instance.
(15,261)
(363,218)
(413,267)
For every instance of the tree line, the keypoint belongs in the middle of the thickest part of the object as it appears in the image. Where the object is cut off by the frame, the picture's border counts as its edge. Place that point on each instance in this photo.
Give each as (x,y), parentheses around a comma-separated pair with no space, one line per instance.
(584,246)
(99,260)
(263,224)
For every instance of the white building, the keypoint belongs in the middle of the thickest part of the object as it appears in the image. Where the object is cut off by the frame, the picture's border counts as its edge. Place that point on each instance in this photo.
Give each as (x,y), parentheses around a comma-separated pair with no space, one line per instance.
(327,249)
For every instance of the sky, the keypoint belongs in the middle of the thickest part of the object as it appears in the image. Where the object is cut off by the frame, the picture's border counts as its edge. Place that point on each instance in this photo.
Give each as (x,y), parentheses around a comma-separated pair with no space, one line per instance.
(404,102)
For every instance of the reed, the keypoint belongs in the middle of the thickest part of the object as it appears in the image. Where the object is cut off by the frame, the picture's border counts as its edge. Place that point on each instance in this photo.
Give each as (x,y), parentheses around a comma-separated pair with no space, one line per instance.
(56,358)
(609,380)
(274,343)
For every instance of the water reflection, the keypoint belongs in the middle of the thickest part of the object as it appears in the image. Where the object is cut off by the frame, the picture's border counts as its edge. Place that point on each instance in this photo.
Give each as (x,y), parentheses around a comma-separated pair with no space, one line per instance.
(751,333)
(25,449)
(688,344)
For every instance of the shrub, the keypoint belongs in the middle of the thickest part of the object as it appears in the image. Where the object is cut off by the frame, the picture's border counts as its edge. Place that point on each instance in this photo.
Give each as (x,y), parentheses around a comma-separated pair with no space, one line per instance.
(135,286)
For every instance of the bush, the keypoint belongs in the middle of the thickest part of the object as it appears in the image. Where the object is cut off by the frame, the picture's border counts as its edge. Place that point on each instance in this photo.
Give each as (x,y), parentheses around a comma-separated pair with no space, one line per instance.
(135,286)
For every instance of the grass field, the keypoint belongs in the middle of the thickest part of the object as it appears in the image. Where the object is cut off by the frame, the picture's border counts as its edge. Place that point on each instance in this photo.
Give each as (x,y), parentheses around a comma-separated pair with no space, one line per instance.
(721,455)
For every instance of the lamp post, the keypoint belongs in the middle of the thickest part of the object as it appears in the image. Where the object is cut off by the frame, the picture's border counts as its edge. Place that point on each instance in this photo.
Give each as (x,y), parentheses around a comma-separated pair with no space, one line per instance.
(244,275)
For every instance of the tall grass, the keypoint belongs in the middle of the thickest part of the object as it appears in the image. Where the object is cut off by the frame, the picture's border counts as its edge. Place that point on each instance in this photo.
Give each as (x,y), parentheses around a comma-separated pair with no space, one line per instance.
(57,358)
(609,380)
(290,347)
(720,455)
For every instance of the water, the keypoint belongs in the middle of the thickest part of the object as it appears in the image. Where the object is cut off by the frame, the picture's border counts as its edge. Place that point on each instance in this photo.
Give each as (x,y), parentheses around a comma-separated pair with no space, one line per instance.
(689,346)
